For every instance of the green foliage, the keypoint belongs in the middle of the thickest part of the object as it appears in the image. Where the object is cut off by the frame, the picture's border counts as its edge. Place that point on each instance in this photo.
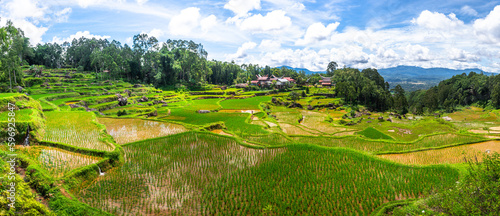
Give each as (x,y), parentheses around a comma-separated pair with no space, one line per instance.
(373,133)
(121,112)
(26,203)
(477,194)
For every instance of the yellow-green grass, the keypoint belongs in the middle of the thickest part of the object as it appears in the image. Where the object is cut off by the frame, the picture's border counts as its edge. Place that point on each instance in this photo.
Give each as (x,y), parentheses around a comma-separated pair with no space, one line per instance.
(317,121)
(316,102)
(203,104)
(235,122)
(433,141)
(293,130)
(56,161)
(457,154)
(409,131)
(8,94)
(131,130)
(19,115)
(373,133)
(251,103)
(473,114)
(75,128)
(286,115)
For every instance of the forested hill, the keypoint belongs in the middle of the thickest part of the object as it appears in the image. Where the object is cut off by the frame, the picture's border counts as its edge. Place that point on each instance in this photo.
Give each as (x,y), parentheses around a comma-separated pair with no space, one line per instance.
(411,78)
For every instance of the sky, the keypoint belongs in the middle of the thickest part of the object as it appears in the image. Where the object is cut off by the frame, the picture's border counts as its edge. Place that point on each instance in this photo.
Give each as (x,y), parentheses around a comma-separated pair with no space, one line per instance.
(458,34)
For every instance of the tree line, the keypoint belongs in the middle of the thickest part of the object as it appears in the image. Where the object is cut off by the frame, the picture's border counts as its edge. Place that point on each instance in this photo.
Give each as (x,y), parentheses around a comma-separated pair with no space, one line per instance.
(175,62)
(460,90)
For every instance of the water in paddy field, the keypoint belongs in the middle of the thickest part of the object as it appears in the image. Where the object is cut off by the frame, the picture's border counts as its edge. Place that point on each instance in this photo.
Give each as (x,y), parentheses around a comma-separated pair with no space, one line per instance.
(131,130)
(27,140)
(239,111)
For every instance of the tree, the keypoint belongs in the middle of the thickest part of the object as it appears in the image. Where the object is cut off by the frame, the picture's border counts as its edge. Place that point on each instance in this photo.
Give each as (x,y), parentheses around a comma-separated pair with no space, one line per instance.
(330,70)
(400,102)
(495,95)
(294,96)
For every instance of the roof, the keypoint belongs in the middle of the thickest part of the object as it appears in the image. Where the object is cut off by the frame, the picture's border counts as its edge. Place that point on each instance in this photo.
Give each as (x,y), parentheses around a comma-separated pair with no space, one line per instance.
(262,78)
(327,79)
(289,79)
(255,81)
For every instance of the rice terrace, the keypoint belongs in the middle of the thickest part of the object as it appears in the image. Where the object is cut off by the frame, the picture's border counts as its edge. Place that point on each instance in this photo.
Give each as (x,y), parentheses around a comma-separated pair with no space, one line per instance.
(96,127)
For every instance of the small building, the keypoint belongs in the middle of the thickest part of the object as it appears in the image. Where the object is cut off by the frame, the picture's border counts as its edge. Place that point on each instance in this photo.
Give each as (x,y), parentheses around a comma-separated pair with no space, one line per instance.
(326,81)
(241,85)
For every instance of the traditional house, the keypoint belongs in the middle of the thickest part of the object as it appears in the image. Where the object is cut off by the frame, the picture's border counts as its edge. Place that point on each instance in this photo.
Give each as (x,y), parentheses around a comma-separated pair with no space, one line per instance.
(326,81)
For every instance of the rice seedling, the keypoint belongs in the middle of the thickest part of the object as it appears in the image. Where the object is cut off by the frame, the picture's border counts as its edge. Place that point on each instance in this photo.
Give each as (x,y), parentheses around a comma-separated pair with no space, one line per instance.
(56,161)
(168,175)
(451,155)
(75,128)
(131,130)
(202,174)
(251,103)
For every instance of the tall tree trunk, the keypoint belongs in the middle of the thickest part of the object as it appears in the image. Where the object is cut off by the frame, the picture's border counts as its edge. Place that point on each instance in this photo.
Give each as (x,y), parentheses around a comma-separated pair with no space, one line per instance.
(15,80)
(10,79)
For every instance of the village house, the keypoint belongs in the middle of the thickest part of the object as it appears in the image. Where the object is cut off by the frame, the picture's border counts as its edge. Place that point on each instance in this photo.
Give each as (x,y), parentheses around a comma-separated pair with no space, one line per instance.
(268,80)
(326,81)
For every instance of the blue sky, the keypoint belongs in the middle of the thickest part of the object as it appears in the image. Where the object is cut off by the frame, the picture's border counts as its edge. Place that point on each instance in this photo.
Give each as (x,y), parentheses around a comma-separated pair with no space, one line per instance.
(298,33)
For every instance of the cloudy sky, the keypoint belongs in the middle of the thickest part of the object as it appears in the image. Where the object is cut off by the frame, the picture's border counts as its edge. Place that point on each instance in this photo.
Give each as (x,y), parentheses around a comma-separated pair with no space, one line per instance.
(308,34)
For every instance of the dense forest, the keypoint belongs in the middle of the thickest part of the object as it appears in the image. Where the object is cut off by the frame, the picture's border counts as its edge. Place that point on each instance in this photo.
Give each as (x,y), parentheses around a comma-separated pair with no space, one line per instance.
(177,63)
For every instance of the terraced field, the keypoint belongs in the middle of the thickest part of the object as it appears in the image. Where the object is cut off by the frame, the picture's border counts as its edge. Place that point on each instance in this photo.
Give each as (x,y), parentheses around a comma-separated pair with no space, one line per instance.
(234,152)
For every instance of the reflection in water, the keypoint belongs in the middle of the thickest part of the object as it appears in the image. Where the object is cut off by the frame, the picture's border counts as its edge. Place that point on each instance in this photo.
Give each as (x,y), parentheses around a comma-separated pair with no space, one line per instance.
(131,130)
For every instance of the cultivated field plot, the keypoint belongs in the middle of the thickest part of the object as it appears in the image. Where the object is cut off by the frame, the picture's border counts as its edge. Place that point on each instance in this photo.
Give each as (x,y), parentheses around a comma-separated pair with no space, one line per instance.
(380,146)
(56,161)
(316,121)
(457,154)
(234,121)
(203,104)
(74,128)
(407,131)
(131,130)
(201,174)
(251,103)
(169,175)
(308,180)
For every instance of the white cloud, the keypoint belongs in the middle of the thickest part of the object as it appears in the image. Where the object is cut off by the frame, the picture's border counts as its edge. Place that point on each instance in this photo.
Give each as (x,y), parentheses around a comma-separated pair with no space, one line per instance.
(141,2)
(435,20)
(462,55)
(185,22)
(241,53)
(33,32)
(274,20)
(417,53)
(62,15)
(78,35)
(88,3)
(20,9)
(241,7)
(317,32)
(488,29)
(467,10)
(269,45)
(208,23)
(157,33)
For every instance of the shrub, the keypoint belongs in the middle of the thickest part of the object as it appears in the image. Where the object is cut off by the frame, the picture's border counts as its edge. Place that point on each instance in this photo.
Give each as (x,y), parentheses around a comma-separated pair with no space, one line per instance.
(477,194)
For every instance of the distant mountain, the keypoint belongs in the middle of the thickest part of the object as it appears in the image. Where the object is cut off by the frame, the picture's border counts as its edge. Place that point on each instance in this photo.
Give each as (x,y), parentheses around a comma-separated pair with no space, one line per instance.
(413,78)
(411,73)
(307,71)
(410,77)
